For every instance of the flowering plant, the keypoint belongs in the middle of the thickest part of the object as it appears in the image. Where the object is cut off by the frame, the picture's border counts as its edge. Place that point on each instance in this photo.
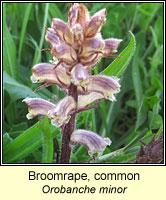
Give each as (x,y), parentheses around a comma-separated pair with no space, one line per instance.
(136,115)
(76,47)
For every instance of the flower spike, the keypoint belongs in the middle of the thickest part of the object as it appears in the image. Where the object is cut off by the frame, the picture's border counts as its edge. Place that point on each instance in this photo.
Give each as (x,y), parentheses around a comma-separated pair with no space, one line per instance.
(76,47)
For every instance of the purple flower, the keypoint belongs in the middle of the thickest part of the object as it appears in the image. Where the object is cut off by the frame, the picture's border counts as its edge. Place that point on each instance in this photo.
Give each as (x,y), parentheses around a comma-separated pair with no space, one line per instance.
(92,141)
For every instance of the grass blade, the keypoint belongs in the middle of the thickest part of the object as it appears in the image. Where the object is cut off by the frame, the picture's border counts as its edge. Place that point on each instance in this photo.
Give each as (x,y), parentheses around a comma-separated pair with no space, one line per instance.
(24,26)
(37,52)
(9,48)
(47,143)
(137,80)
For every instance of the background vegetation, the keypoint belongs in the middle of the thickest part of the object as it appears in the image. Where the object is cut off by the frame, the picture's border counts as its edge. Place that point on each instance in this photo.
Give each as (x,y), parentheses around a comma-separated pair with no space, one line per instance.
(137,113)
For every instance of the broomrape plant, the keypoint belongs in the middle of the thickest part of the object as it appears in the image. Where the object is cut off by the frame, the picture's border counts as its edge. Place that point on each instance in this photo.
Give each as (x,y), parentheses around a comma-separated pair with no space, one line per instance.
(76,47)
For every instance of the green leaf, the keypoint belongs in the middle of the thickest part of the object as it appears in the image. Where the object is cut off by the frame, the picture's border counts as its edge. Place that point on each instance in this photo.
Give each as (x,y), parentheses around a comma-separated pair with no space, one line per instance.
(24,26)
(104,117)
(55,11)
(154,37)
(136,79)
(23,145)
(37,56)
(9,48)
(116,157)
(6,139)
(29,141)
(141,116)
(155,120)
(17,90)
(17,129)
(135,140)
(117,67)
(151,101)
(47,143)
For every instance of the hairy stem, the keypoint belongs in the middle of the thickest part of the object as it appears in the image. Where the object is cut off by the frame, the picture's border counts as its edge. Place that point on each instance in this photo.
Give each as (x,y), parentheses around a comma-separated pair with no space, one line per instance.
(68,129)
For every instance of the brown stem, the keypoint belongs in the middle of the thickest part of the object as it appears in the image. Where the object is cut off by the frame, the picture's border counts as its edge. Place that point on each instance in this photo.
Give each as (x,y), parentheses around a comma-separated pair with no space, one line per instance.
(68,129)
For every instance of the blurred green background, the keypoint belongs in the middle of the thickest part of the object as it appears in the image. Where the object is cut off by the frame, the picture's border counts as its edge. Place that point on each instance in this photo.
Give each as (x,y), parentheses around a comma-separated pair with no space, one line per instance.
(137,113)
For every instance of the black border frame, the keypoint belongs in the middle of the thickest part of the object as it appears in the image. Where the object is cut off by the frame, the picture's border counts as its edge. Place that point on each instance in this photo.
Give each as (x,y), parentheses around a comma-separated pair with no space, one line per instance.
(70,164)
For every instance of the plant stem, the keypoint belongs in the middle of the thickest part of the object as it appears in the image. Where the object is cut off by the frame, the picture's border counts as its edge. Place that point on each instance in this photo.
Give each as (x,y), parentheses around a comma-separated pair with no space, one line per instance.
(68,129)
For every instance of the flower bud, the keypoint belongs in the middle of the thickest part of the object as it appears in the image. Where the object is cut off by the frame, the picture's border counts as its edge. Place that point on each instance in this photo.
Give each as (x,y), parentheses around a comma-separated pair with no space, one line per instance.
(107,86)
(78,14)
(79,76)
(61,113)
(111,46)
(78,35)
(62,30)
(73,14)
(95,24)
(37,106)
(93,142)
(44,72)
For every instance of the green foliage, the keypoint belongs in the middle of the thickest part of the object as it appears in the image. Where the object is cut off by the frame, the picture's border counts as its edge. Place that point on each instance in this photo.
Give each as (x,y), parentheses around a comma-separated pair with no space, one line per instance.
(137,113)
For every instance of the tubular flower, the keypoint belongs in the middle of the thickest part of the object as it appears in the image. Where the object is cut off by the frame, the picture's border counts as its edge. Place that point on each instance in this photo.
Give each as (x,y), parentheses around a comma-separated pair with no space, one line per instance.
(37,106)
(44,72)
(76,48)
(107,86)
(61,113)
(92,141)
